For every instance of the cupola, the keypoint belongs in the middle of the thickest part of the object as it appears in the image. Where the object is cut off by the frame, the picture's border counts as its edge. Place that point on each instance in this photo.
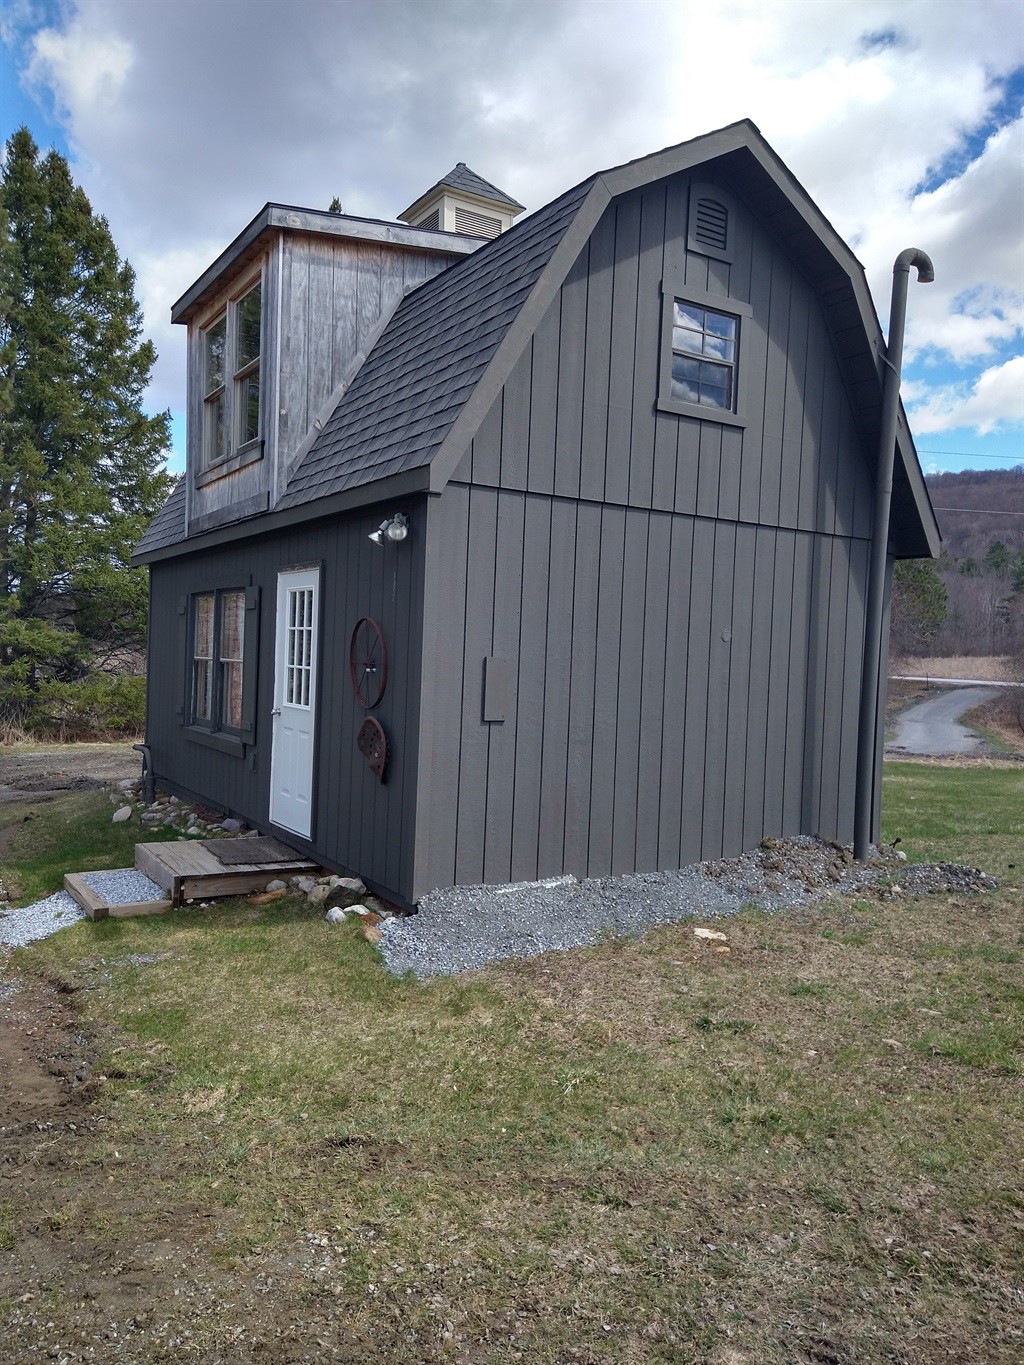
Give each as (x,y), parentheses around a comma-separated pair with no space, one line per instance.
(463,201)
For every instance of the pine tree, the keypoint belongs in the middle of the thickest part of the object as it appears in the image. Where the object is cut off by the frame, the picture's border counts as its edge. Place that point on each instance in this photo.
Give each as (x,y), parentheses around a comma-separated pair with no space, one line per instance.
(81,464)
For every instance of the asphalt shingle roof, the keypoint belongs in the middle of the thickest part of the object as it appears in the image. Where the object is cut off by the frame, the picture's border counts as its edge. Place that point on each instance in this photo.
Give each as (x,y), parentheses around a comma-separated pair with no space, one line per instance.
(429,359)
(168,526)
(460,177)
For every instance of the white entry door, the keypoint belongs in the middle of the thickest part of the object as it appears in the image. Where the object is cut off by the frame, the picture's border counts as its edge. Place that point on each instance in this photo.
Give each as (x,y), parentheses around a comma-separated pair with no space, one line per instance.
(294,727)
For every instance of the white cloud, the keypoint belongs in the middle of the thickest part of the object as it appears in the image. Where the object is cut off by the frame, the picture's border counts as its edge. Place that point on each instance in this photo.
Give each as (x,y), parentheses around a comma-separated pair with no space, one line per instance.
(85,70)
(186,116)
(994,400)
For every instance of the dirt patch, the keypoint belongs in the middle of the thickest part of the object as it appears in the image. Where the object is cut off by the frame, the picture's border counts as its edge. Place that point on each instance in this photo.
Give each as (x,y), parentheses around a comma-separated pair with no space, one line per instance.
(96,1266)
(37,773)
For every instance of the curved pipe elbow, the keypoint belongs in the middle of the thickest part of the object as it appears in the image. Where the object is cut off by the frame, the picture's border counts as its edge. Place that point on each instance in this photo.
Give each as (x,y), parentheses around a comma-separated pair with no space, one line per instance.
(914,256)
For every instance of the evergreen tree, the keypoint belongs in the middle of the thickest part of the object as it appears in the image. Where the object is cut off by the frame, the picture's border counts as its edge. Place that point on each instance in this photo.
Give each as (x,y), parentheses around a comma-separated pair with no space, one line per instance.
(997,558)
(81,465)
(919,605)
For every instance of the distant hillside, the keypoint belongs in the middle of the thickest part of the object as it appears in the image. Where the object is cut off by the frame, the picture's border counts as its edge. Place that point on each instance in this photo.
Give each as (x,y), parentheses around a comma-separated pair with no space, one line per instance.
(972,601)
(988,494)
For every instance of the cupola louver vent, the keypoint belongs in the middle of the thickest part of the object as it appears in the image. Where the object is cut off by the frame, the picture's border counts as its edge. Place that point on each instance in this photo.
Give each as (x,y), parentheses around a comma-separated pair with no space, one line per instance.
(712,226)
(476,224)
(432,220)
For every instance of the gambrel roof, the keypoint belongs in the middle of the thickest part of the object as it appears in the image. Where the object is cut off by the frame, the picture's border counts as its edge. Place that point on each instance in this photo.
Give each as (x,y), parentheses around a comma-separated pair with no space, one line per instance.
(409,414)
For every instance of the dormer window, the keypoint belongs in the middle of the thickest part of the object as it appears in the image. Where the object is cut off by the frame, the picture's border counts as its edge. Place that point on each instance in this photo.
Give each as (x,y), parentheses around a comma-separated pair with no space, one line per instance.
(231,378)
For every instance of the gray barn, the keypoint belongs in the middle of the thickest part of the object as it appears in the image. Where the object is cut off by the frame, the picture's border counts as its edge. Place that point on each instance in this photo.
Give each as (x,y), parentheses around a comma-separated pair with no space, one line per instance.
(627,449)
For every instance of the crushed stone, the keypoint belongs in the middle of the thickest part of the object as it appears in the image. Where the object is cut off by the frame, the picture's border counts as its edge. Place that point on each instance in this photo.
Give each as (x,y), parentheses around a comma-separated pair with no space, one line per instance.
(45,917)
(464,927)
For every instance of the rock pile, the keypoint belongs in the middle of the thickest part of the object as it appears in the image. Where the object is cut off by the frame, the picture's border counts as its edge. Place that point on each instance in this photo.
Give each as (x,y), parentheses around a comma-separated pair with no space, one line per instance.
(193,821)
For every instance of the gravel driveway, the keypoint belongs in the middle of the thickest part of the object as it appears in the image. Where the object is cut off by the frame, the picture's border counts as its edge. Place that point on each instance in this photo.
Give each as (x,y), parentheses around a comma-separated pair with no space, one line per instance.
(932,727)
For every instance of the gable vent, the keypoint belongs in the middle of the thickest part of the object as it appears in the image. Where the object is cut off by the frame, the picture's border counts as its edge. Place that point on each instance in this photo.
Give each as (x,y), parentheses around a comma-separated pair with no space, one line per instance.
(712,226)
(478,224)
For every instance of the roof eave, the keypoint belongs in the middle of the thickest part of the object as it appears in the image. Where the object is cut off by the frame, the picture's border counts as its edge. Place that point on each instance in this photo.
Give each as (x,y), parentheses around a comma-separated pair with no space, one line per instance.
(274,218)
(407,483)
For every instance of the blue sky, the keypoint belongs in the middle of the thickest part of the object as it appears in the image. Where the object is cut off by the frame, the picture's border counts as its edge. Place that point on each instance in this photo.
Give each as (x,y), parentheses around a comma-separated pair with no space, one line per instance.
(902,118)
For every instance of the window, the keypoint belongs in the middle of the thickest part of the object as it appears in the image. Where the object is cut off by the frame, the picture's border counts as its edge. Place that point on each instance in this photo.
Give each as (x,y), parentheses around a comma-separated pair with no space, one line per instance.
(703,355)
(218,661)
(701,374)
(231,378)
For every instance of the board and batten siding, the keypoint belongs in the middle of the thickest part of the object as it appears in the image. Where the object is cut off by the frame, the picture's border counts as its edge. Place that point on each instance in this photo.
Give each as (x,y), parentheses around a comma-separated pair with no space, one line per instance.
(678,603)
(359,825)
(587,386)
(678,687)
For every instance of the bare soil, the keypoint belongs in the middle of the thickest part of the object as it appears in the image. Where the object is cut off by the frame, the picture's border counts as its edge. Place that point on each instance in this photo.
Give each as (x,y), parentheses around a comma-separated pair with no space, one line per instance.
(102,1268)
(39,771)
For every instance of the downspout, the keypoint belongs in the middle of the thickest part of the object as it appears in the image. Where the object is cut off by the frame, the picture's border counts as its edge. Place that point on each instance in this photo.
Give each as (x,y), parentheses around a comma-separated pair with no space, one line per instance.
(871,680)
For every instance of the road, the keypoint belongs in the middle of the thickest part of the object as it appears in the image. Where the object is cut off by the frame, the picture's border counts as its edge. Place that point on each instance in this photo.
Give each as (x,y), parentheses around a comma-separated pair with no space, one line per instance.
(931,727)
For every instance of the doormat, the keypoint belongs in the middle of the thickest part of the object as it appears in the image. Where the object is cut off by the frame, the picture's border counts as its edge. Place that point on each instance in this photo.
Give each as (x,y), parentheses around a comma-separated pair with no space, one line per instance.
(259,850)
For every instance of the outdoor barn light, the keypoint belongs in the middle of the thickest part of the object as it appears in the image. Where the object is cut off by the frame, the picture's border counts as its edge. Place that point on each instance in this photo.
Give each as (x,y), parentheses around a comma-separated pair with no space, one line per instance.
(871,679)
(394,528)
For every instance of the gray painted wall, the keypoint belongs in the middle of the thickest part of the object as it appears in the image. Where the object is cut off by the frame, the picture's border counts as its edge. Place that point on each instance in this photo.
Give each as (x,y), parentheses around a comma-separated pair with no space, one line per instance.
(359,824)
(679,602)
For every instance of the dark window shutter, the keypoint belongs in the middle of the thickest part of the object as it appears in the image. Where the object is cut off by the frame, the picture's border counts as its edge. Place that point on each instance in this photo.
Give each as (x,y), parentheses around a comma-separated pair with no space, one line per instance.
(250,663)
(179,711)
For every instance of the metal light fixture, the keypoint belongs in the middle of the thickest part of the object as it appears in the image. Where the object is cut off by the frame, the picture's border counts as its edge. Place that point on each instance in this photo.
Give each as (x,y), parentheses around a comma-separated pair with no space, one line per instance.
(395,528)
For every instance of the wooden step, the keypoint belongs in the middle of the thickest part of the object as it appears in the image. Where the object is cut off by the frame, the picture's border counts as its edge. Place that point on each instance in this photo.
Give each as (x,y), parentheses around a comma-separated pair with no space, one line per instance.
(186,870)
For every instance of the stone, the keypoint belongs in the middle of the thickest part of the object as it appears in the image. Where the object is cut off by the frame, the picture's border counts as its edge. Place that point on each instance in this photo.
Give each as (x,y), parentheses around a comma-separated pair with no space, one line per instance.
(120,816)
(277,885)
(371,933)
(701,932)
(126,785)
(336,915)
(317,894)
(304,884)
(231,825)
(347,892)
(152,817)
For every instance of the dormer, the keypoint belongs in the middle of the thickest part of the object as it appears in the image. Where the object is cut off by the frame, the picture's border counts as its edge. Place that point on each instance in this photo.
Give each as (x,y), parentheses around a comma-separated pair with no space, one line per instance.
(276,327)
(463,202)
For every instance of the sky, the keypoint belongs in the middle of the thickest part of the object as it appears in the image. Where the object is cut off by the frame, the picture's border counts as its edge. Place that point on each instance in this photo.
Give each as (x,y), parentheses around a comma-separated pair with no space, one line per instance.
(904,120)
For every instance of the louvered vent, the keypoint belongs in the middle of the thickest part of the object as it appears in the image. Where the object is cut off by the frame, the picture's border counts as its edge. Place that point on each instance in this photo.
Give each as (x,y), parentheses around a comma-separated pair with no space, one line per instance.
(432,220)
(477,224)
(712,228)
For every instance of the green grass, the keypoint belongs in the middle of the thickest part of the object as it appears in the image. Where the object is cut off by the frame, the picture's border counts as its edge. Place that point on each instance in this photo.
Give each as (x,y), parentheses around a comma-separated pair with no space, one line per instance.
(40,842)
(805,1149)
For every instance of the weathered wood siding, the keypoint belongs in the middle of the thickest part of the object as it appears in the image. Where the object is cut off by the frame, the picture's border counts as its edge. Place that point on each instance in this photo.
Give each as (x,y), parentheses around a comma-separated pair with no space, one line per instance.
(322,297)
(679,602)
(333,293)
(359,824)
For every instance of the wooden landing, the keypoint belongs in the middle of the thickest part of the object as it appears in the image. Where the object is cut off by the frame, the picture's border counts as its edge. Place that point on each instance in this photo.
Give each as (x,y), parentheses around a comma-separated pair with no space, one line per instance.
(188,871)
(97,908)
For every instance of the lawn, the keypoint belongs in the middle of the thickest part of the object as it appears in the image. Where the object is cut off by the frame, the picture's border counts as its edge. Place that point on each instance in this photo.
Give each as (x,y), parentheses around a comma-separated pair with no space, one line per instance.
(806,1148)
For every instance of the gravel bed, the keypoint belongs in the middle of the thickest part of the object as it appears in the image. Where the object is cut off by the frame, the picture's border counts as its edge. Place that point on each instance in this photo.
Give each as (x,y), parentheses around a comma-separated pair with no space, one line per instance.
(464,927)
(45,917)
